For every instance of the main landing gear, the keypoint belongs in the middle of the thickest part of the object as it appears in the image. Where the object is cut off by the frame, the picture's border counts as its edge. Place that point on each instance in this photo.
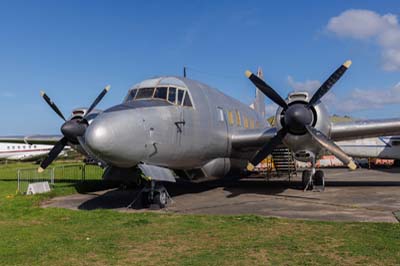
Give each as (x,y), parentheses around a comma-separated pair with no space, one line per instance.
(313,179)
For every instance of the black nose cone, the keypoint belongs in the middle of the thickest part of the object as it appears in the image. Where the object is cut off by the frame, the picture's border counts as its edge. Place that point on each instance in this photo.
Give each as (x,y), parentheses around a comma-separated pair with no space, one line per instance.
(297,117)
(73,129)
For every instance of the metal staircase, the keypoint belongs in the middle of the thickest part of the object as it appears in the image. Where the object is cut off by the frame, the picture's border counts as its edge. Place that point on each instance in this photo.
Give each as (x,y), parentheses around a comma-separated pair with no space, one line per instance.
(284,163)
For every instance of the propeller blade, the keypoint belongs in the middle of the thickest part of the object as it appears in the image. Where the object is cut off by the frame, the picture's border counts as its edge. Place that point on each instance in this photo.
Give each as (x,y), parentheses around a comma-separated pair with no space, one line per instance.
(52,105)
(98,99)
(268,147)
(267,90)
(58,147)
(329,145)
(329,83)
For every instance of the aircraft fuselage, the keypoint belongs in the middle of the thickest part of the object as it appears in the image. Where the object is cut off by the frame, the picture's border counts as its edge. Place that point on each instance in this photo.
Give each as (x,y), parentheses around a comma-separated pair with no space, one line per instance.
(159,132)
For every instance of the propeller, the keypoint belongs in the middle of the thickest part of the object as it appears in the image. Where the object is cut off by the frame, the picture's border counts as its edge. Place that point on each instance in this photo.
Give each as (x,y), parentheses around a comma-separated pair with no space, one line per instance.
(329,145)
(72,129)
(266,89)
(299,117)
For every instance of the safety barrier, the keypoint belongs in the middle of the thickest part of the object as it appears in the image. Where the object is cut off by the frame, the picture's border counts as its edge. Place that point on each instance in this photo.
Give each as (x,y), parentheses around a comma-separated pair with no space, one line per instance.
(58,174)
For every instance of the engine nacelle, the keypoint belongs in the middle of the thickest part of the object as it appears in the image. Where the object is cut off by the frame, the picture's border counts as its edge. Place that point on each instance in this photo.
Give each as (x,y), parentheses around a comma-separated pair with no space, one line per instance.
(302,145)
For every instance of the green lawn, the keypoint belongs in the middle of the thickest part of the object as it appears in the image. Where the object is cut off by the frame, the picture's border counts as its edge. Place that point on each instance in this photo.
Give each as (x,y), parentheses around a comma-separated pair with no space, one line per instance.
(30,235)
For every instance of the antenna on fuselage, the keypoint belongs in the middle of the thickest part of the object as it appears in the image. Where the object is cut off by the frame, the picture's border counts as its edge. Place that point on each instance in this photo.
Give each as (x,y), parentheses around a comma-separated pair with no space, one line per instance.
(184,72)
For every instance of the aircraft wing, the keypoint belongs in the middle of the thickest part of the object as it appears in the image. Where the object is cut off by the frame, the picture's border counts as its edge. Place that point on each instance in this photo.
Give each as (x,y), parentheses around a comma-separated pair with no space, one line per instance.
(365,129)
(256,138)
(33,139)
(252,138)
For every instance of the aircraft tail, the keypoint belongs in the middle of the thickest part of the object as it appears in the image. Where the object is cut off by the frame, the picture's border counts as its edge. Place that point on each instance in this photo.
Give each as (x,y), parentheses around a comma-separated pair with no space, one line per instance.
(259,101)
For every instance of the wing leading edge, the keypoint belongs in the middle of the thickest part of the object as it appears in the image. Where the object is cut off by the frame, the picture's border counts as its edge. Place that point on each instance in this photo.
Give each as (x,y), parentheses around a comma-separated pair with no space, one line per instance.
(33,139)
(365,129)
(252,139)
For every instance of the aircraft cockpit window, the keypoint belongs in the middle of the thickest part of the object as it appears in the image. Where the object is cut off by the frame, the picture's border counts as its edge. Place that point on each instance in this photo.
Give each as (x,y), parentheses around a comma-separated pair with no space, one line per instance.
(145,93)
(161,93)
(187,101)
(172,95)
(180,96)
(131,95)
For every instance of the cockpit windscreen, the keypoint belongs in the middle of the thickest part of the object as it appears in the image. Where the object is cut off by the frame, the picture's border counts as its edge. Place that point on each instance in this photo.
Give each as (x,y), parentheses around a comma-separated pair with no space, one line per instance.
(173,95)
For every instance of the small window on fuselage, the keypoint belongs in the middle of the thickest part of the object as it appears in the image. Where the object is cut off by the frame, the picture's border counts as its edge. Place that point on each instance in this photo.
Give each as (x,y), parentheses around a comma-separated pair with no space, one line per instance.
(395,142)
(251,123)
(220,114)
(145,93)
(238,120)
(230,118)
(161,93)
(245,122)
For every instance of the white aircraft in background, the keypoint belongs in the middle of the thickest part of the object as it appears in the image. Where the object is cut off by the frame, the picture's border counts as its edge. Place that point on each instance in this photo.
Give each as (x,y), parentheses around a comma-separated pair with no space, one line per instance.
(24,152)
(379,147)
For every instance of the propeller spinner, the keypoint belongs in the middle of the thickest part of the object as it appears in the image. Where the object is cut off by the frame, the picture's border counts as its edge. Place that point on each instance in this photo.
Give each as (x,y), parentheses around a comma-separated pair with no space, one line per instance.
(298,118)
(72,129)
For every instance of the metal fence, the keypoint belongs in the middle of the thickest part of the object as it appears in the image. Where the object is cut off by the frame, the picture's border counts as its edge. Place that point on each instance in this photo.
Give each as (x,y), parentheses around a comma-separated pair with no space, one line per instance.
(58,174)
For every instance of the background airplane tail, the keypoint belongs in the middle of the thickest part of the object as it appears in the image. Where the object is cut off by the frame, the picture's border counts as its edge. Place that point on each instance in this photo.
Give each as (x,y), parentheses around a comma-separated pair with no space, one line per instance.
(259,101)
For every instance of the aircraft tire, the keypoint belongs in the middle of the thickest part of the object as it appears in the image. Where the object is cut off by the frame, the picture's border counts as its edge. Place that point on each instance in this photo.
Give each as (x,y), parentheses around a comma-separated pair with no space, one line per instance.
(319,178)
(160,198)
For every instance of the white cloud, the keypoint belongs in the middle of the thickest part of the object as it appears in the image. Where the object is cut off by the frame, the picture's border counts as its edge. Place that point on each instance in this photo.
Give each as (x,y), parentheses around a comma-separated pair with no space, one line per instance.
(376,98)
(308,85)
(357,99)
(384,30)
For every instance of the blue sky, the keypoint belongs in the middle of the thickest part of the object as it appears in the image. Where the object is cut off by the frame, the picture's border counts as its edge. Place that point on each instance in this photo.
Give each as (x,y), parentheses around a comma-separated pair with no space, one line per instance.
(72,49)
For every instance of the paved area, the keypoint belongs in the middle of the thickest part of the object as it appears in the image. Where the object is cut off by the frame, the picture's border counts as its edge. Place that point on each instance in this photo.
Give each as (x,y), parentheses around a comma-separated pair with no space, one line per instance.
(362,195)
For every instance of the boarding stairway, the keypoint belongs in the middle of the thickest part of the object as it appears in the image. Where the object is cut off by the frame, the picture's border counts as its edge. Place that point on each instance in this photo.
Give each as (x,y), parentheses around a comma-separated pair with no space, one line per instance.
(284,163)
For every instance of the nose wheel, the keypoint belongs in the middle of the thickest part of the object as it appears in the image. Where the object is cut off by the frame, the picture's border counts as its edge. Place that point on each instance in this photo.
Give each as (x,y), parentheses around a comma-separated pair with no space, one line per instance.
(156,198)
(153,196)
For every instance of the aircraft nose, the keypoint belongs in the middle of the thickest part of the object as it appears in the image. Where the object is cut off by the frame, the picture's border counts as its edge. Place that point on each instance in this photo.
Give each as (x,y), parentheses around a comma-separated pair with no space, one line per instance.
(99,138)
(116,139)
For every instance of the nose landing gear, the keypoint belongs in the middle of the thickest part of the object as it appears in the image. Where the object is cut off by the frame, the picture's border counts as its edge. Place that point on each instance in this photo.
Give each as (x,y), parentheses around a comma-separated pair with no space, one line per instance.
(153,196)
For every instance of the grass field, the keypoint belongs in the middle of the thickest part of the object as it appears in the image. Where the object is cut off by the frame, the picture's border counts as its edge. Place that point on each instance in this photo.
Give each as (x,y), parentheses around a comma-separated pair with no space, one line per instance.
(30,235)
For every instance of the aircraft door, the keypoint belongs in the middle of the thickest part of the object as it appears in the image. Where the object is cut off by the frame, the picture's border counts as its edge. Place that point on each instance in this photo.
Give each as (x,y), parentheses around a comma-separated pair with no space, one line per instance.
(180,123)
(222,126)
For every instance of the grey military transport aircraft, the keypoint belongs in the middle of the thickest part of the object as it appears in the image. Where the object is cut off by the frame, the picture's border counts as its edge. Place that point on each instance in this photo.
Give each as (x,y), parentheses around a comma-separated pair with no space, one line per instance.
(172,126)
